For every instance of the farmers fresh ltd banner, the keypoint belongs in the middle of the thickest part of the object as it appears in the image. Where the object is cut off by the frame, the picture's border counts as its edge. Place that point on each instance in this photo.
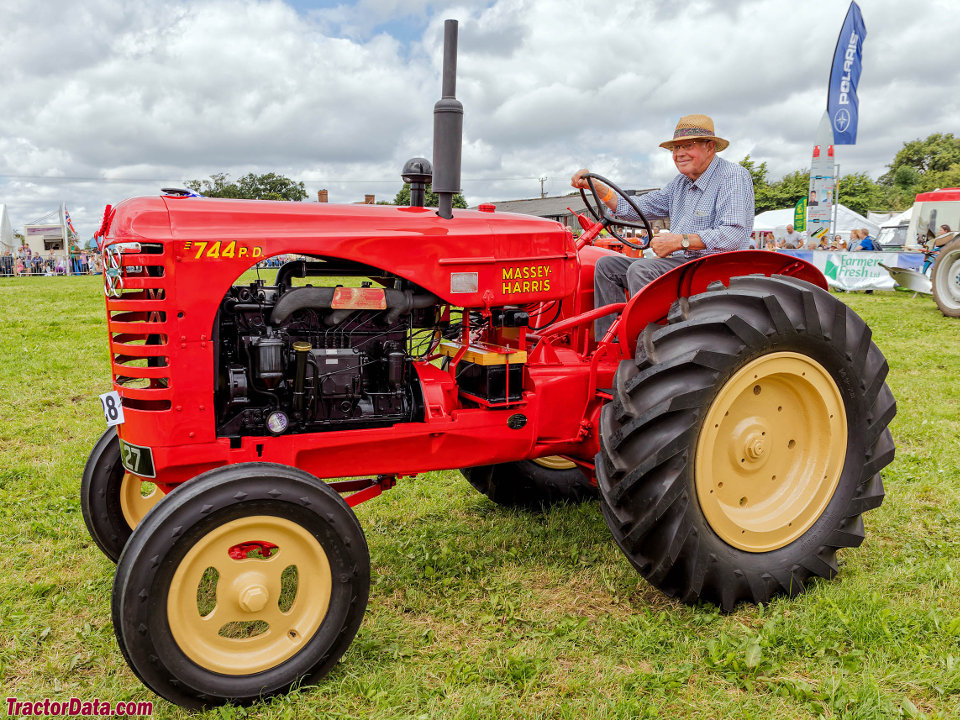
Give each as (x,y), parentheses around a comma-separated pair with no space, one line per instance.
(859,270)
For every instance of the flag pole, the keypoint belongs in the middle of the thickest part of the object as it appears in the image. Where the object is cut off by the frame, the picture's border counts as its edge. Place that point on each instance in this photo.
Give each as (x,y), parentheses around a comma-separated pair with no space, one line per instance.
(836,197)
(63,231)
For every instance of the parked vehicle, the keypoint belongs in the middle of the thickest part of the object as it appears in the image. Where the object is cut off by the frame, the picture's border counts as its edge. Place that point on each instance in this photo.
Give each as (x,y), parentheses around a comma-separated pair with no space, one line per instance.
(893,233)
(931,212)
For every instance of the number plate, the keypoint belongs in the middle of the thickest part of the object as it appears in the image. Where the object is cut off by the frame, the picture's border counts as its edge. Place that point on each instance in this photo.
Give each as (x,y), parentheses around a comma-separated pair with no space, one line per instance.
(138,460)
(112,408)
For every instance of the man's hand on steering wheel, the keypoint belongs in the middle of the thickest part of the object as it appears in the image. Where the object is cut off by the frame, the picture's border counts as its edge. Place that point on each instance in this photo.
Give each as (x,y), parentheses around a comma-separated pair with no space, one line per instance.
(605,194)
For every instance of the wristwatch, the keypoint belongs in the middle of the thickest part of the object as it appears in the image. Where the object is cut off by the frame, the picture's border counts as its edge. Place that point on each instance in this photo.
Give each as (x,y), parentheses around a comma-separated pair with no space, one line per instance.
(685,242)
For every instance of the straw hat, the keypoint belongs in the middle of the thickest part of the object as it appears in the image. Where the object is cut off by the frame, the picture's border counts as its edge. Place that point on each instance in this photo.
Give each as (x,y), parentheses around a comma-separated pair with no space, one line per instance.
(694,127)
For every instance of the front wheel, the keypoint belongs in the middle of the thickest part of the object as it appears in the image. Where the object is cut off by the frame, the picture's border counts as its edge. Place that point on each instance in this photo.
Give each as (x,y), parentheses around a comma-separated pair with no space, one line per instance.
(242,583)
(946,279)
(112,500)
(745,442)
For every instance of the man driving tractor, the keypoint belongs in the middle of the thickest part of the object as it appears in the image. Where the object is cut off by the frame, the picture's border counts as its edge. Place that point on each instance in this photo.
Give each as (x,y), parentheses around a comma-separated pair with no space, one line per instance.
(710,206)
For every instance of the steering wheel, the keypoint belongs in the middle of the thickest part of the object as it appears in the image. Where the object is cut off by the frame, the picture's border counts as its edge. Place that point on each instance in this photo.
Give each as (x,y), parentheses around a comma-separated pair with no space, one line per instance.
(608,219)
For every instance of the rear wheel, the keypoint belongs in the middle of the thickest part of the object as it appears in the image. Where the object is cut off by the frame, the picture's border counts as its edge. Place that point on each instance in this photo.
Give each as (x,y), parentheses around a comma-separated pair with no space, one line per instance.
(244,582)
(745,442)
(946,279)
(532,484)
(112,500)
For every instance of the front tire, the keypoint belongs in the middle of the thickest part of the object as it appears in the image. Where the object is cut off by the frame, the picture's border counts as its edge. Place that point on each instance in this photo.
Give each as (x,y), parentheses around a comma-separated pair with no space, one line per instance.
(946,279)
(745,441)
(111,500)
(241,584)
(532,484)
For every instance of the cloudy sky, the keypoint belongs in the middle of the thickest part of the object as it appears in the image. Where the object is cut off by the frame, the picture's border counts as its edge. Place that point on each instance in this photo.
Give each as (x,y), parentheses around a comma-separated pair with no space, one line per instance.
(108,99)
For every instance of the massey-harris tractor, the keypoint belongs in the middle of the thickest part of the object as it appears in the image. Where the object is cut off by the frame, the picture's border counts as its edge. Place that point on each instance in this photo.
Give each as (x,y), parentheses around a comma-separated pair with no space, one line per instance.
(733,421)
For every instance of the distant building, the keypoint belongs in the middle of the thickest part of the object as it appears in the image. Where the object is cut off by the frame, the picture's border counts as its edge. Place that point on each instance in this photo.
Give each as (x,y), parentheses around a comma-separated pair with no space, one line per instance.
(42,238)
(556,208)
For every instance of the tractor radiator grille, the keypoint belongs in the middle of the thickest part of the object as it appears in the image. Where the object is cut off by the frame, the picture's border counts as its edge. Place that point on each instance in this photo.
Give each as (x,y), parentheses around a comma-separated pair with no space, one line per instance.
(135,282)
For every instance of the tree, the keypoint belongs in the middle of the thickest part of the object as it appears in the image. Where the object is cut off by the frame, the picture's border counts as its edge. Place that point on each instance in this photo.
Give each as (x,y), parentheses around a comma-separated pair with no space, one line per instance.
(792,187)
(906,177)
(269,186)
(942,179)
(939,152)
(780,194)
(758,173)
(859,193)
(921,166)
(217,186)
(431,199)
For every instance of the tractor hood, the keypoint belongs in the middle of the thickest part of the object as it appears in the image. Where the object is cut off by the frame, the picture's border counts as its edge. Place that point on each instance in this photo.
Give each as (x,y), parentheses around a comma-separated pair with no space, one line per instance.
(477,258)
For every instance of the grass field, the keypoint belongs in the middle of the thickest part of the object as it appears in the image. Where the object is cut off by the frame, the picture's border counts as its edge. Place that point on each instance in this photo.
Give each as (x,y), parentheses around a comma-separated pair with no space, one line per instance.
(479,612)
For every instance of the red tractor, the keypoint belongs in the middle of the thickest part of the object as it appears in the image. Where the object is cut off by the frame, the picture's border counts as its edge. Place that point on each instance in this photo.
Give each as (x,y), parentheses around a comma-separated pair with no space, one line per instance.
(733,421)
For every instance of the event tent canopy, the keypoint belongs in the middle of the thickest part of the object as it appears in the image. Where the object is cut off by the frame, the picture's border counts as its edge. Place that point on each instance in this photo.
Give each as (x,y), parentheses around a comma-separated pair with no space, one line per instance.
(899,218)
(847,219)
(6,231)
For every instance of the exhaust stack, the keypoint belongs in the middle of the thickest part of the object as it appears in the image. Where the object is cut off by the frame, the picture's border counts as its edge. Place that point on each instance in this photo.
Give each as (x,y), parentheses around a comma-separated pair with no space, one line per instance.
(447,127)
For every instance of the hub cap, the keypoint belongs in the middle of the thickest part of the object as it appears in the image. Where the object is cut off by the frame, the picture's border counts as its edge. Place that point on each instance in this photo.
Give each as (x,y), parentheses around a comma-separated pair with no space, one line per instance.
(771,452)
(234,614)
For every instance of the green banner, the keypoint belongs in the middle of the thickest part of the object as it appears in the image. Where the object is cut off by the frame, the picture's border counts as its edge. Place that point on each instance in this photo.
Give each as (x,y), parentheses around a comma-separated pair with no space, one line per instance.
(800,215)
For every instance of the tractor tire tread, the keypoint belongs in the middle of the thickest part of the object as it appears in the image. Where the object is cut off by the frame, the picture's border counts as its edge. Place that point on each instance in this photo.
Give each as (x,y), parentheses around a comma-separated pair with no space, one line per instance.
(648,437)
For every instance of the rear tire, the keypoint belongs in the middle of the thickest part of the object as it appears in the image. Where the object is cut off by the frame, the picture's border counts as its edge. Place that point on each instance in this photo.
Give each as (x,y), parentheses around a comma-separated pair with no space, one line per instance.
(946,279)
(745,441)
(532,484)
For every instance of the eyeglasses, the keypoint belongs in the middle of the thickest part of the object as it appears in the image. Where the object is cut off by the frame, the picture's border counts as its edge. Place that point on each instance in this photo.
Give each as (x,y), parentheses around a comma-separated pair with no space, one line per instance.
(685,146)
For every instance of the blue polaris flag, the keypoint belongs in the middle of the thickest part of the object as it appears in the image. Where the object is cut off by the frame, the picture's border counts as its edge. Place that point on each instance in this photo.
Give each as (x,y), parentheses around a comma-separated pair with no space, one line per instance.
(842,103)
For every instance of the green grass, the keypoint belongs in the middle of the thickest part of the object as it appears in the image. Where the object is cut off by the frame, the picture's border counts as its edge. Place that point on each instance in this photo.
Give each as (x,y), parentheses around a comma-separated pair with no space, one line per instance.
(479,612)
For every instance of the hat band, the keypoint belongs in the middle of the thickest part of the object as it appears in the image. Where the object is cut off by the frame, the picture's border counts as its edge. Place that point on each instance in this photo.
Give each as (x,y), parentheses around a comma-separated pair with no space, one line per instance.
(687,132)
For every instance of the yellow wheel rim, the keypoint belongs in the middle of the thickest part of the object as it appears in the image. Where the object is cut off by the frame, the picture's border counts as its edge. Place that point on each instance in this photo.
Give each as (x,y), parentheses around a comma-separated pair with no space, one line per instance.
(249,592)
(771,452)
(133,503)
(555,462)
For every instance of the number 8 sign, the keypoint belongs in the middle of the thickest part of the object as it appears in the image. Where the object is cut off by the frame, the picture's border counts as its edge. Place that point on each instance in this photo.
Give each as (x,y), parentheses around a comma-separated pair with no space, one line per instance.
(112,409)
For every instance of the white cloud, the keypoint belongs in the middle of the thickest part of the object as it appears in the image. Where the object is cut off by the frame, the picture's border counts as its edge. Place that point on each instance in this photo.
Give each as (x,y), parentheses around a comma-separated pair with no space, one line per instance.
(133,96)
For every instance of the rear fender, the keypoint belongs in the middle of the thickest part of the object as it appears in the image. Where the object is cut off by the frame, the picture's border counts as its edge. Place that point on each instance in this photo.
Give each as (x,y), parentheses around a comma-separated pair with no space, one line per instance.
(653,302)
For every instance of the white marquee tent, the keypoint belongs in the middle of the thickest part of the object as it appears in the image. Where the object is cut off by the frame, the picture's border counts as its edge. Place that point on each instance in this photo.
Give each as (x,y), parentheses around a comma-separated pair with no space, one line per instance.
(898,218)
(6,231)
(776,221)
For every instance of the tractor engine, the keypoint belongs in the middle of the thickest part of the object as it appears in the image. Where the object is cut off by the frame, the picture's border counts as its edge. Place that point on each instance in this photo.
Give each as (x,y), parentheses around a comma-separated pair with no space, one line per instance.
(308,359)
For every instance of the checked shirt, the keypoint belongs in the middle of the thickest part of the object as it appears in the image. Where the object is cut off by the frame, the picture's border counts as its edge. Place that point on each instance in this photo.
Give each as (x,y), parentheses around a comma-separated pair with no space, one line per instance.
(718,207)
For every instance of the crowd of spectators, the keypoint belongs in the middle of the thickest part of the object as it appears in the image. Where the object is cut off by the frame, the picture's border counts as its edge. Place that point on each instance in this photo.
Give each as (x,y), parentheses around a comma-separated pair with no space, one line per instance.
(860,240)
(275,261)
(25,261)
